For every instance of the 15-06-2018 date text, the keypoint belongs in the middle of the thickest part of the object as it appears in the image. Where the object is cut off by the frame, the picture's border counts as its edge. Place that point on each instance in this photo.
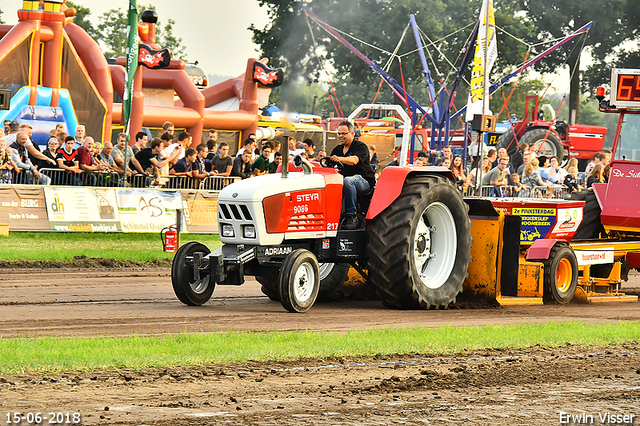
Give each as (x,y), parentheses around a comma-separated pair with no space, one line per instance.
(53,418)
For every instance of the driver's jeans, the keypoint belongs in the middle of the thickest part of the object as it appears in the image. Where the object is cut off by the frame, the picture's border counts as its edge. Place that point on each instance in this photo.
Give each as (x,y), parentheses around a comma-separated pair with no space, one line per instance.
(353,185)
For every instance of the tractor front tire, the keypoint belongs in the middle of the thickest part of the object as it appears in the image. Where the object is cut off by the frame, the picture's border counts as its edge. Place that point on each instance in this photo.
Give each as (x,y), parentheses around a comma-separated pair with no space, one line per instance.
(269,286)
(190,291)
(299,281)
(560,275)
(419,246)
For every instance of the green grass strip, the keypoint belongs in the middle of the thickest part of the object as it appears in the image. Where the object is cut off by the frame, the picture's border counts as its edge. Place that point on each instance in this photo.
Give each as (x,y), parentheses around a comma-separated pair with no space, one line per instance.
(51,354)
(61,246)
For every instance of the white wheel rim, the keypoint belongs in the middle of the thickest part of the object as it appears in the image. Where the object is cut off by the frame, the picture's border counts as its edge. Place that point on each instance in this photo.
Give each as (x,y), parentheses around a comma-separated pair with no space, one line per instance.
(435,245)
(303,282)
(546,148)
(199,287)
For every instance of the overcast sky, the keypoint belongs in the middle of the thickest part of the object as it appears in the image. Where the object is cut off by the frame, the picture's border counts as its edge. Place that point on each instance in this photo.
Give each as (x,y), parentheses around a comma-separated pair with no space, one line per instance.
(214,31)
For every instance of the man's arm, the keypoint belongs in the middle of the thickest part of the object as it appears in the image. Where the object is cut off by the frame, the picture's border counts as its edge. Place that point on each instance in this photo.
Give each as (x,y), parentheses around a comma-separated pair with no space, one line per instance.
(24,165)
(75,168)
(39,155)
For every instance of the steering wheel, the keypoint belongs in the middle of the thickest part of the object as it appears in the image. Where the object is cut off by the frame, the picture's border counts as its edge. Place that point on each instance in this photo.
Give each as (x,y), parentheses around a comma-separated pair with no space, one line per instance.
(327,163)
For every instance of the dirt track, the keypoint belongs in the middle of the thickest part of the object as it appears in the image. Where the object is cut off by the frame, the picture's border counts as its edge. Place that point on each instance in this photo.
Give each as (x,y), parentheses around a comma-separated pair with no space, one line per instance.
(526,387)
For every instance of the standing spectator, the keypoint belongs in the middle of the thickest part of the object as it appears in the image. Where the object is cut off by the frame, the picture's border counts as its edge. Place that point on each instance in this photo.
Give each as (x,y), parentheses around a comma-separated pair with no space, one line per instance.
(184,141)
(212,135)
(32,150)
(247,145)
(309,146)
(147,158)
(52,149)
(6,163)
(67,158)
(446,154)
(515,186)
(141,142)
(497,178)
(474,175)
(597,159)
(118,154)
(607,157)
(526,158)
(6,126)
(492,155)
(87,165)
(242,165)
(167,127)
(293,148)
(277,160)
(530,177)
(81,133)
(28,173)
(59,128)
(261,165)
(502,153)
(373,157)
(199,170)
(106,158)
(185,165)
(222,163)
(517,159)
(11,132)
(543,170)
(458,172)
(596,175)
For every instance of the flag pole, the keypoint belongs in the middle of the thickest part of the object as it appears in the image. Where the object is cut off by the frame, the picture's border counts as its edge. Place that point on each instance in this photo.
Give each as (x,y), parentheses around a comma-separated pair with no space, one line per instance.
(130,72)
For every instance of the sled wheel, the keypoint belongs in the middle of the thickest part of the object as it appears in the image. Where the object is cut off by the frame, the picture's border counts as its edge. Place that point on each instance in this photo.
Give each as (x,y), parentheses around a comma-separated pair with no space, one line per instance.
(551,146)
(299,281)
(419,246)
(190,291)
(560,275)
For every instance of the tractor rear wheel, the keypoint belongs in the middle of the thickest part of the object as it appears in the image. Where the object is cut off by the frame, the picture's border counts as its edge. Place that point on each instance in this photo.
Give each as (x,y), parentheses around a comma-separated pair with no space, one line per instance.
(551,146)
(591,226)
(299,281)
(190,291)
(419,246)
(560,275)
(508,141)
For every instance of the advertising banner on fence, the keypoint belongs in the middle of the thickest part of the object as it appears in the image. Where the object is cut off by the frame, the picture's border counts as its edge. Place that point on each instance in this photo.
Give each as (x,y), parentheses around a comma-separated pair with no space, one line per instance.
(147,210)
(81,209)
(23,208)
(202,208)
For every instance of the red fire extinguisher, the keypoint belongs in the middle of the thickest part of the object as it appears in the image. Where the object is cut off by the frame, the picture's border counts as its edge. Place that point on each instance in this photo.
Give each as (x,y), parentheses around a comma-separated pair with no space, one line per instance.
(169,236)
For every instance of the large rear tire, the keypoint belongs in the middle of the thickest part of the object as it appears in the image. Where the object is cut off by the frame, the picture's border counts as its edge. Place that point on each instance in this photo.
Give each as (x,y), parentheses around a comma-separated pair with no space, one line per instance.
(560,275)
(190,291)
(508,141)
(551,146)
(299,281)
(419,246)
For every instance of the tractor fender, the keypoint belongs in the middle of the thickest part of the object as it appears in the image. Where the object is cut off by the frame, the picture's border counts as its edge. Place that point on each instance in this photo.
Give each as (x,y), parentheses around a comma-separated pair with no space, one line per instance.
(391,181)
(541,248)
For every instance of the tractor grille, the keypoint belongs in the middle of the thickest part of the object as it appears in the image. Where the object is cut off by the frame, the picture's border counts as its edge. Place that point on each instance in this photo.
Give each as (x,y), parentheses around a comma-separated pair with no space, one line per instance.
(307,222)
(234,211)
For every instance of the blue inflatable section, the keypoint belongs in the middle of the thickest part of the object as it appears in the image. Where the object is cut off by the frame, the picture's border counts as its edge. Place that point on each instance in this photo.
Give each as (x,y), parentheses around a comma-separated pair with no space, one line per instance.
(42,117)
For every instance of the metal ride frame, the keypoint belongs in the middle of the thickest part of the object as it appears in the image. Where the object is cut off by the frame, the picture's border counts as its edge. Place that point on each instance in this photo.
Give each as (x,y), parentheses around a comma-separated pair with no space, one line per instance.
(441,116)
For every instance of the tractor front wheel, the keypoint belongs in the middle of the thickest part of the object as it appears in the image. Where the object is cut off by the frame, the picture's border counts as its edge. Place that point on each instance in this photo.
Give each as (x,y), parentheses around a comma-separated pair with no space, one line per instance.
(419,246)
(299,281)
(560,275)
(190,291)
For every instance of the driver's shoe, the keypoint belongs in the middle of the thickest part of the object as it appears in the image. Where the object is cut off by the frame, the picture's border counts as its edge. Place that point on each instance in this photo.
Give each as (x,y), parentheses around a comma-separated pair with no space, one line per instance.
(350,222)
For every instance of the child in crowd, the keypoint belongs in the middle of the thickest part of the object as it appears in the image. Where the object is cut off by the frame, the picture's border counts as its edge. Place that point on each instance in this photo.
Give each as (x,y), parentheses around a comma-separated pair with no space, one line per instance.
(515,186)
(571,181)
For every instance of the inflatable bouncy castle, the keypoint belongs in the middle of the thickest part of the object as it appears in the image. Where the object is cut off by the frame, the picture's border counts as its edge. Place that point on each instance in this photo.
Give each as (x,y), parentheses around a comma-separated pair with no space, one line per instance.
(55,73)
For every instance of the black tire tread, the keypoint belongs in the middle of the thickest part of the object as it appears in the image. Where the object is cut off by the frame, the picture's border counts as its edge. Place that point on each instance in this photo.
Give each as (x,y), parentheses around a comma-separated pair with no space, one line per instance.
(389,244)
(549,279)
(591,226)
(534,135)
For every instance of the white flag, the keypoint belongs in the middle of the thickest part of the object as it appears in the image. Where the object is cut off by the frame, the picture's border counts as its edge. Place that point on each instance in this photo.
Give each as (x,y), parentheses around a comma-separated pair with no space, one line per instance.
(476,90)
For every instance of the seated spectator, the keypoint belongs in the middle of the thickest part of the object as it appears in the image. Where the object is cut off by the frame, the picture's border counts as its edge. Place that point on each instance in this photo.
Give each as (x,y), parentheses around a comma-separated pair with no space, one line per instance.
(596,175)
(242,165)
(148,160)
(222,163)
(277,160)
(6,164)
(571,180)
(26,172)
(67,159)
(497,178)
(515,186)
(261,165)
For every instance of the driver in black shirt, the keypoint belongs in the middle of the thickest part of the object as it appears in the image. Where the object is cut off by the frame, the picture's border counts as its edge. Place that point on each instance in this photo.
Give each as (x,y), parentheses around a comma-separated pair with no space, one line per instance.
(358,175)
